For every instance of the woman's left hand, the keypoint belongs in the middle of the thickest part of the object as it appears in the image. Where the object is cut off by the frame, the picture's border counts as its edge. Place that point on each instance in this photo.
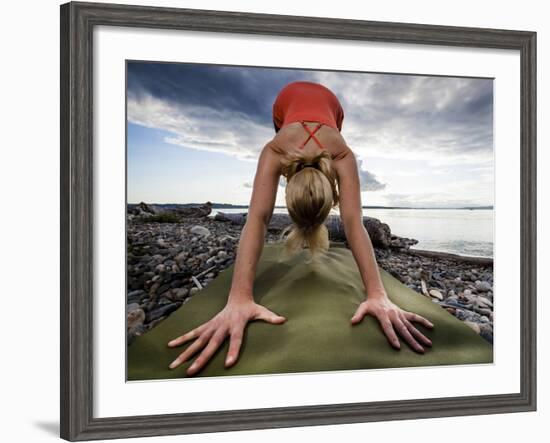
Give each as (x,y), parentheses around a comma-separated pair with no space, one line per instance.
(392,318)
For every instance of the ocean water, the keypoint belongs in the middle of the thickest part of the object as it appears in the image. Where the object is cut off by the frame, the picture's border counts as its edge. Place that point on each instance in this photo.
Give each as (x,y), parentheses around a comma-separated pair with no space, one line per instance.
(460,231)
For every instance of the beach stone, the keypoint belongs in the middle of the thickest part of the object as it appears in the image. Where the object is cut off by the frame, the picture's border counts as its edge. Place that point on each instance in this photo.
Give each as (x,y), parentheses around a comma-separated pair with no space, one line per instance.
(135,317)
(436,294)
(161,290)
(161,312)
(135,296)
(483,286)
(136,293)
(200,231)
(455,304)
(414,274)
(181,293)
(227,240)
(153,288)
(484,302)
(466,315)
(132,306)
(467,292)
(202,257)
(438,284)
(165,299)
(483,311)
(452,298)
(180,258)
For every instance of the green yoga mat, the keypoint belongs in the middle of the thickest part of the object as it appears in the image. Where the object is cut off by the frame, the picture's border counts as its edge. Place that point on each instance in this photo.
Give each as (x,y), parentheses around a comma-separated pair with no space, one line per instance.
(318,299)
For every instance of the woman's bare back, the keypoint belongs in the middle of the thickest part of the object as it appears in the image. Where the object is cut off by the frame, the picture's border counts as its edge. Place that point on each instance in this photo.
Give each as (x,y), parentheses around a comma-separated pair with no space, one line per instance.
(290,138)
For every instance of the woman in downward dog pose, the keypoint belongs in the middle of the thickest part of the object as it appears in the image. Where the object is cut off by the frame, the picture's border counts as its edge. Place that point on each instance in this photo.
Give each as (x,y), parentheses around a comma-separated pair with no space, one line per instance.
(321,172)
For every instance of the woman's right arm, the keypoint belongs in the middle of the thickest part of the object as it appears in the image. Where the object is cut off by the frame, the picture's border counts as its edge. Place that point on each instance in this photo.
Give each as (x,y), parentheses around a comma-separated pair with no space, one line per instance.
(241,307)
(260,210)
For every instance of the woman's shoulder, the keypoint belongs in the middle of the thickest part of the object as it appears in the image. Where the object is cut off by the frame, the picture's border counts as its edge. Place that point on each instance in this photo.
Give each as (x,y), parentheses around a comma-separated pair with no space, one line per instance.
(276,147)
(338,146)
(342,153)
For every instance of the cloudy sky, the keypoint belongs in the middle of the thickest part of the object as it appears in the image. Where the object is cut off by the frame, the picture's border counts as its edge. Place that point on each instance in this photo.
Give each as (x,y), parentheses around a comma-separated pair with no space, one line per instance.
(195,133)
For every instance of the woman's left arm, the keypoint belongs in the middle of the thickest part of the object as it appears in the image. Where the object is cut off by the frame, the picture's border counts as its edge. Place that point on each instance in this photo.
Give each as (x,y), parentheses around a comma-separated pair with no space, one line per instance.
(391,317)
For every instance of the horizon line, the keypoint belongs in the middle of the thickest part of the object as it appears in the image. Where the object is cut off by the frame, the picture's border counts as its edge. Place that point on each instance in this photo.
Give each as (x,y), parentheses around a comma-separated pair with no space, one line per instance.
(225,205)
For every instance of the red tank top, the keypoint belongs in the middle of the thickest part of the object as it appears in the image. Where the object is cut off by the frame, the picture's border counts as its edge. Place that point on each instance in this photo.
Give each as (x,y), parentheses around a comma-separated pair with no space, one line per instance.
(307,101)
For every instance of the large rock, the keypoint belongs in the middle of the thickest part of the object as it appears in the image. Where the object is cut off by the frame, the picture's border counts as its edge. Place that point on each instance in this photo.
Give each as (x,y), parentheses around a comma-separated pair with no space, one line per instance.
(194,211)
(379,232)
(142,210)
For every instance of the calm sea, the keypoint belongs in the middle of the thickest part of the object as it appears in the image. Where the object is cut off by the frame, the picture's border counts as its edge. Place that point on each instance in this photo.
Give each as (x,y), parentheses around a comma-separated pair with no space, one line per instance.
(460,231)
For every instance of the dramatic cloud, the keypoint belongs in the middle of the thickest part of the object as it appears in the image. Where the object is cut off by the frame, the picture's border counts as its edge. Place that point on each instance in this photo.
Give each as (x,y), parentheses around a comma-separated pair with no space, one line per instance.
(404,116)
(368,180)
(212,108)
(200,127)
(402,125)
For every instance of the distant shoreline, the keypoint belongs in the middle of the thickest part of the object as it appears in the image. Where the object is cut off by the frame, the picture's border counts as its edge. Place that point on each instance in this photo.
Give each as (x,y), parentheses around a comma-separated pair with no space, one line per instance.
(230,206)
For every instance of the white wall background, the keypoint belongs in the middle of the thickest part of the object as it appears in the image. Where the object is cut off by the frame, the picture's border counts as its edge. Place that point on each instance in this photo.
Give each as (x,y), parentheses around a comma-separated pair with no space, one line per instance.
(29,220)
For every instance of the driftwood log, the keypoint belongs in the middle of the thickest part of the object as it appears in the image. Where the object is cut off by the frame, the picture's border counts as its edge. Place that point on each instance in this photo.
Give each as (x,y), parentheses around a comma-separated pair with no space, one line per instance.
(484,261)
(379,233)
(145,210)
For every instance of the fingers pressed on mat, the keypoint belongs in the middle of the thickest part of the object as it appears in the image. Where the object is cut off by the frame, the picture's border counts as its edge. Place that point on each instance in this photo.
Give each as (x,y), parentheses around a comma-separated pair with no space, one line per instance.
(269,316)
(359,313)
(235,342)
(194,333)
(416,333)
(214,343)
(404,332)
(387,327)
(411,316)
(191,350)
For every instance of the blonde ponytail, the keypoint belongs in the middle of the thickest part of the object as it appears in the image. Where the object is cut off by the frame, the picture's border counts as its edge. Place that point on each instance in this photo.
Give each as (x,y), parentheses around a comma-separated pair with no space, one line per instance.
(310,194)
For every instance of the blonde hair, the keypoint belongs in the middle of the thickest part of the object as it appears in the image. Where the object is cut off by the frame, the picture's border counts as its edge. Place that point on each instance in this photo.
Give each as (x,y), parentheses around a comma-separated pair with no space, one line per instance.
(311,193)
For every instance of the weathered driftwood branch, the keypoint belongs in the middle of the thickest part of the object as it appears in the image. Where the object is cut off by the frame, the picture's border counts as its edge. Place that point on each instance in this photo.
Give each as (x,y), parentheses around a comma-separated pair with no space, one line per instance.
(379,233)
(486,261)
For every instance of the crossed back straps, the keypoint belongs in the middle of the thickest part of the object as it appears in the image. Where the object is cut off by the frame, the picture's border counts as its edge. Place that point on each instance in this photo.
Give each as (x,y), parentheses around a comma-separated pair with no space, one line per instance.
(311,134)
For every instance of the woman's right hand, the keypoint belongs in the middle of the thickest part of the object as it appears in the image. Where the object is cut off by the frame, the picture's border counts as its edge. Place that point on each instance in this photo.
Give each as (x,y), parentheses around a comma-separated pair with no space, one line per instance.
(231,320)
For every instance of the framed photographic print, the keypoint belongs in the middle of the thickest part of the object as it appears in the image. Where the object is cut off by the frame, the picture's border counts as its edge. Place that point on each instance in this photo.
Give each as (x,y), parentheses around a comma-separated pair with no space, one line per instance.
(260,213)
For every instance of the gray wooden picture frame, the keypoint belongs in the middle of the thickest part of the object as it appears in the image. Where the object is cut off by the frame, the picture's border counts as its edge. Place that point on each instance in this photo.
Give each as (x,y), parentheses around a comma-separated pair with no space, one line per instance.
(76,272)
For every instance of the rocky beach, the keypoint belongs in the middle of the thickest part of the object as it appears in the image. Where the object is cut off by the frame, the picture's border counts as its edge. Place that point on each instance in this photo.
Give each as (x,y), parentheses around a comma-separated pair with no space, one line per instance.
(174,252)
